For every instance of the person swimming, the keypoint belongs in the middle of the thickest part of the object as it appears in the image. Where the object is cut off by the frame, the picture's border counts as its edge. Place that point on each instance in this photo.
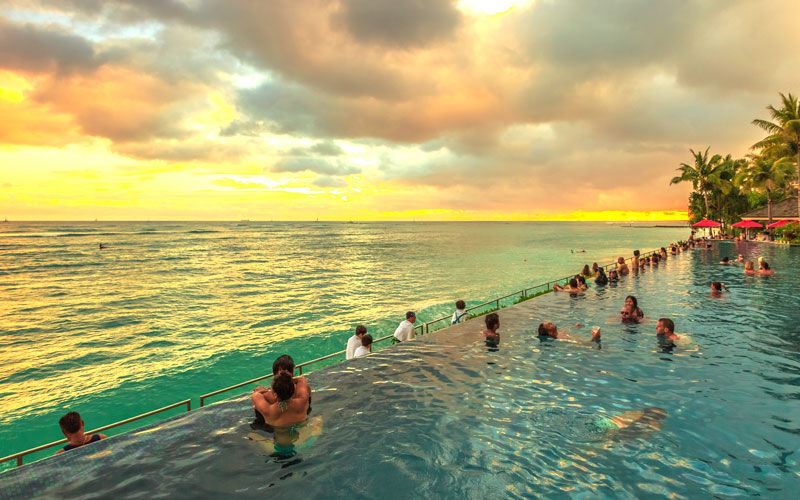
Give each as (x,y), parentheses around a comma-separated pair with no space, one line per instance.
(550,330)
(749,267)
(632,424)
(764,268)
(717,287)
(725,261)
(634,313)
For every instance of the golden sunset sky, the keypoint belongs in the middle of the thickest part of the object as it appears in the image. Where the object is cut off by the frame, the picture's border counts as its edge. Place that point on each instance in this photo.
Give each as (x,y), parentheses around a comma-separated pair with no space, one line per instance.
(378,109)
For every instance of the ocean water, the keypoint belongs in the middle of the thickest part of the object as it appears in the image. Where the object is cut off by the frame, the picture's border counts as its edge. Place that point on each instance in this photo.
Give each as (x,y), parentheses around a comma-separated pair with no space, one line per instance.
(446,416)
(170,311)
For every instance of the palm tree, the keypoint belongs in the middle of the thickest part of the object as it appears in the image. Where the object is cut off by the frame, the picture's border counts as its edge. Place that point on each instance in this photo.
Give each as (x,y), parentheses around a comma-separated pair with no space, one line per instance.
(704,175)
(764,174)
(783,141)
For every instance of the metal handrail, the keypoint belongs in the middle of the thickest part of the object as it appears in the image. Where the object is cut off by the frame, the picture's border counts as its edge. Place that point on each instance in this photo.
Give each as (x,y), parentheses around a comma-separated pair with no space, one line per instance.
(423,328)
(19,456)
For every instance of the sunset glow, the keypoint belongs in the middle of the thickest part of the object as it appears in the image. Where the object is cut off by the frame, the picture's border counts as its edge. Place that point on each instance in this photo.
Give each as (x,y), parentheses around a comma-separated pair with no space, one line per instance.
(374,110)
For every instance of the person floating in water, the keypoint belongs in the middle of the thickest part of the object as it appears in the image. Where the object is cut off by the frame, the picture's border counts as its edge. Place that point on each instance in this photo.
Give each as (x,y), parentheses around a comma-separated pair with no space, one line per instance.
(725,261)
(103,247)
(550,330)
(717,287)
(764,269)
(490,333)
(740,258)
(72,427)
(632,423)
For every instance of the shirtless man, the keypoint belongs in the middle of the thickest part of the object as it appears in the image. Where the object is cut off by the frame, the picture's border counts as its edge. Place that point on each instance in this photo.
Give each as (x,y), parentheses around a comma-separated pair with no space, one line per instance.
(550,330)
(666,328)
(285,404)
(622,269)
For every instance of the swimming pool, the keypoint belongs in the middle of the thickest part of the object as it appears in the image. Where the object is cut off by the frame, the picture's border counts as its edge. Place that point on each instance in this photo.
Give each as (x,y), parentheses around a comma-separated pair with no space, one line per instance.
(444,416)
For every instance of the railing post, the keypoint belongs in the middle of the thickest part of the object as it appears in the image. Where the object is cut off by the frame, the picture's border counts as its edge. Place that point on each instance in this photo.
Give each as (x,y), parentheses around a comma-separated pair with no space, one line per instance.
(202,401)
(301,369)
(427,328)
(497,303)
(189,405)
(19,461)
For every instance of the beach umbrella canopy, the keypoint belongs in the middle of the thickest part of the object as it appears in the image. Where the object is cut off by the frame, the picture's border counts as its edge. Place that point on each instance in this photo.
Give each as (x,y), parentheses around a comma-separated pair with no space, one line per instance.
(706,223)
(746,223)
(780,223)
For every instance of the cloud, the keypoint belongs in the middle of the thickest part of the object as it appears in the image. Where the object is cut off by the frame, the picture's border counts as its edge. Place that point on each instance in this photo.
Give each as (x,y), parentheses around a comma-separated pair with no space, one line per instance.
(329,181)
(320,166)
(33,48)
(399,24)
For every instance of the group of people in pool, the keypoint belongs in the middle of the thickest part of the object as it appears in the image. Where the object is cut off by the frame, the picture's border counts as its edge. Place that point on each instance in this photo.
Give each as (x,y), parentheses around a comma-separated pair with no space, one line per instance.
(764,268)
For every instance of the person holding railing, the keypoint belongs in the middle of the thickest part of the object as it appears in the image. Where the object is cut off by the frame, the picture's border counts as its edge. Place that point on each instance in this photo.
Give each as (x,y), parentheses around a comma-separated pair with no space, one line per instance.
(405,330)
(354,342)
(571,287)
(72,427)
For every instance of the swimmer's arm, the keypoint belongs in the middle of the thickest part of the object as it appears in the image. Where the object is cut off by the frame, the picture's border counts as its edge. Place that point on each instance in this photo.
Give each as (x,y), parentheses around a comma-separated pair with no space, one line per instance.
(268,394)
(301,387)
(260,403)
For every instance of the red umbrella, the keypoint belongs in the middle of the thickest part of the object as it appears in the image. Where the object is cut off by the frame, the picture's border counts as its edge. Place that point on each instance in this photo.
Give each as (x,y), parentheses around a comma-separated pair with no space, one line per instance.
(707,223)
(746,223)
(780,223)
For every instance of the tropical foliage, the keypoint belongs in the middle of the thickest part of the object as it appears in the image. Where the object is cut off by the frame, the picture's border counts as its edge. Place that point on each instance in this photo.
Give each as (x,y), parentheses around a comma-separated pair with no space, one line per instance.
(724,188)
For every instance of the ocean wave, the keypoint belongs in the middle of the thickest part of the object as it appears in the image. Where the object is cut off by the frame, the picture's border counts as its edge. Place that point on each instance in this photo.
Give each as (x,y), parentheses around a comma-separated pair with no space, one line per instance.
(202,231)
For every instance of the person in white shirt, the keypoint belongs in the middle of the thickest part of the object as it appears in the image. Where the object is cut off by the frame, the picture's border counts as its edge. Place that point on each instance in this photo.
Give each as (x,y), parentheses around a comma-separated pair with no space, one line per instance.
(366,346)
(405,331)
(460,313)
(354,342)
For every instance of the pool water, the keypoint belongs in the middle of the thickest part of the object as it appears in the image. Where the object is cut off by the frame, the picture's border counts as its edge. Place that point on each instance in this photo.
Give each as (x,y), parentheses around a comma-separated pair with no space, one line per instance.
(445,416)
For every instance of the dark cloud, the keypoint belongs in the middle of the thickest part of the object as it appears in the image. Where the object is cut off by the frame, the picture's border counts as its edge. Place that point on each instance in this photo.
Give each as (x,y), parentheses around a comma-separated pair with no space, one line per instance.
(29,47)
(329,181)
(400,24)
(320,166)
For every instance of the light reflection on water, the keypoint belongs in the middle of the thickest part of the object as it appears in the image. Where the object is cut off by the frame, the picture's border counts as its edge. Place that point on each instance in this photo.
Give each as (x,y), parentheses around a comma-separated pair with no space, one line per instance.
(444,416)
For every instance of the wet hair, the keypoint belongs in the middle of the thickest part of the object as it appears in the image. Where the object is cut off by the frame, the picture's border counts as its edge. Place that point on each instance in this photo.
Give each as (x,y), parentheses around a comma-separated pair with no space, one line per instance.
(542,330)
(668,324)
(601,271)
(492,320)
(633,299)
(573,283)
(283,385)
(663,249)
(361,330)
(636,253)
(460,304)
(749,265)
(595,266)
(366,340)
(716,285)
(585,269)
(71,422)
(284,362)
(581,279)
(764,265)
(725,259)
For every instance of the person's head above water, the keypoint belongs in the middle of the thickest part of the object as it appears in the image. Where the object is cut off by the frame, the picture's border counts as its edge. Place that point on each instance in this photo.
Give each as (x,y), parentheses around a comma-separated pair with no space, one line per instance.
(460,304)
(71,423)
(284,363)
(716,286)
(628,313)
(636,253)
(586,270)
(620,260)
(725,259)
(749,266)
(547,330)
(283,386)
(630,300)
(573,283)
(613,273)
(581,279)
(492,321)
(665,326)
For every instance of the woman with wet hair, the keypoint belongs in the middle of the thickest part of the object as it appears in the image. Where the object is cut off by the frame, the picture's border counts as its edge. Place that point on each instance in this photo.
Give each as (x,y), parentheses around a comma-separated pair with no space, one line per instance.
(633,304)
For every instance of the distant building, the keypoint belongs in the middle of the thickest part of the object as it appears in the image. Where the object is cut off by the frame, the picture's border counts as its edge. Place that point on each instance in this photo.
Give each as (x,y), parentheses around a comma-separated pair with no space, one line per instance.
(785,209)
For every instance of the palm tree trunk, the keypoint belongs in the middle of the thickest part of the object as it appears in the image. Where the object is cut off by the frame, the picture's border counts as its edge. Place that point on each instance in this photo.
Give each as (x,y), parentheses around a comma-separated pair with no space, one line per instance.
(769,206)
(705,200)
(798,180)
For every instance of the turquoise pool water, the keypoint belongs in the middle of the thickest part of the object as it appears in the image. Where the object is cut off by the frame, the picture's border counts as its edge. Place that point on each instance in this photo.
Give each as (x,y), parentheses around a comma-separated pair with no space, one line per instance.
(445,416)
(174,310)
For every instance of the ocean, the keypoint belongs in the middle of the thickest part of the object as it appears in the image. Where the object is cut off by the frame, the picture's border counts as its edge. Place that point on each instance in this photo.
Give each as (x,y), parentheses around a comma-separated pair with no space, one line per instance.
(172,310)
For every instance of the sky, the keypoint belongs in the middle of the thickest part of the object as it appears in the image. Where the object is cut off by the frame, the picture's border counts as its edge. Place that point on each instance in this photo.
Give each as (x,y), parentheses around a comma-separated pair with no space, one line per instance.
(378,109)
